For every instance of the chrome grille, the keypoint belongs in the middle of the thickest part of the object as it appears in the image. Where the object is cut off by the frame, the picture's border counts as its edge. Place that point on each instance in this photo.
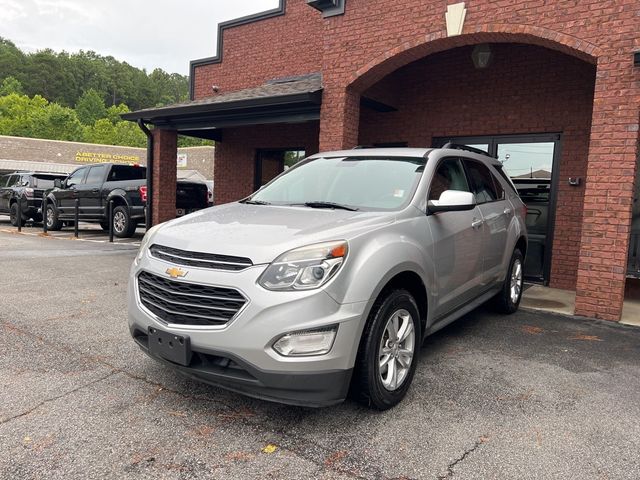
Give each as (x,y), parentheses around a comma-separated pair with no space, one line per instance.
(188,303)
(199,259)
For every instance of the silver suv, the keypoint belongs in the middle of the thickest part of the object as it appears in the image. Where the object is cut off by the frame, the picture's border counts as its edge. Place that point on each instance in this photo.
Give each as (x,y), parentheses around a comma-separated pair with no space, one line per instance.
(327,279)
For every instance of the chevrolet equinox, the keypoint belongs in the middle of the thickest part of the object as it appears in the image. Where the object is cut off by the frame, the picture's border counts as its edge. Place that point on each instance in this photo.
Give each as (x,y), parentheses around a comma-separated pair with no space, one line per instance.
(326,281)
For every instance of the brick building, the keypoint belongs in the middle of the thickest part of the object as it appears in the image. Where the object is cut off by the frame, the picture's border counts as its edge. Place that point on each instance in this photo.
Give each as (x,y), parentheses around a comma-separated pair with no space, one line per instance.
(559,80)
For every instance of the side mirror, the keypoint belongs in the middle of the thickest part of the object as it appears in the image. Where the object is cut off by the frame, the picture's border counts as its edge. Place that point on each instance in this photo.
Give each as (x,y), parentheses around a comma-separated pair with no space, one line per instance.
(452,201)
(57,183)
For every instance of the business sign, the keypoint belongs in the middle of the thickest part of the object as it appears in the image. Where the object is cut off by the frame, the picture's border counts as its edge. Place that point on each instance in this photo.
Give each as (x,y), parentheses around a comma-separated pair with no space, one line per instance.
(182,160)
(95,157)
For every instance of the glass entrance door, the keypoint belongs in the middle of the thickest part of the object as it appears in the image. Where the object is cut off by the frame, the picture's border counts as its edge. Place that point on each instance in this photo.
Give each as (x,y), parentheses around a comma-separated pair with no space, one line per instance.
(271,163)
(530,161)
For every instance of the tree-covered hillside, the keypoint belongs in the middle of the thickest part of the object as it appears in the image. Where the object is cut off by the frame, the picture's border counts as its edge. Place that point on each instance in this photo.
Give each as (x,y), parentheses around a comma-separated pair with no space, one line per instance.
(80,96)
(63,78)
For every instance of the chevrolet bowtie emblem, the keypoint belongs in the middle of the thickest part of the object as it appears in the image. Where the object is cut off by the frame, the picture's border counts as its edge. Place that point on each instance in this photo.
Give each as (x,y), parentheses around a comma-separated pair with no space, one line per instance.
(175,272)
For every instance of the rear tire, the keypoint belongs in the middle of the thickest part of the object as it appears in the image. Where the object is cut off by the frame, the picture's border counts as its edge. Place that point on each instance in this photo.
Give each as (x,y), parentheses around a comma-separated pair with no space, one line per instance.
(53,223)
(13,214)
(389,351)
(508,300)
(123,225)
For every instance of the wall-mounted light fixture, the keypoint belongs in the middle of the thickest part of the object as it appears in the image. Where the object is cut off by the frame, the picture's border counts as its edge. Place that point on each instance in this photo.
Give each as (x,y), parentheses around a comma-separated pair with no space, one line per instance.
(329,8)
(636,59)
(482,56)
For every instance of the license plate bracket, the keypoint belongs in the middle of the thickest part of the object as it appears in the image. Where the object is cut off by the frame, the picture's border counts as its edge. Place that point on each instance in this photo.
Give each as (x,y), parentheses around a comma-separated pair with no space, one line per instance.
(172,347)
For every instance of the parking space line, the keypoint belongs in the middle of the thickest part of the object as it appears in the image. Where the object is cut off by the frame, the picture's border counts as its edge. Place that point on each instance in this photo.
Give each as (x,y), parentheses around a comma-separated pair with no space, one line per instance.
(67,236)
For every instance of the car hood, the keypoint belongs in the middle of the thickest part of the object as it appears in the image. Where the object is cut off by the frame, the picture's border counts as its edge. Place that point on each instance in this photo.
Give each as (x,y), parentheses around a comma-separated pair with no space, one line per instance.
(263,232)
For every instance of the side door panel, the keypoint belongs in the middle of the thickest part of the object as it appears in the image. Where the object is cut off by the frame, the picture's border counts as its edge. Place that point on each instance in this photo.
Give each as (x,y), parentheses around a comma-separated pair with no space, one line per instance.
(5,191)
(89,192)
(496,212)
(66,197)
(457,242)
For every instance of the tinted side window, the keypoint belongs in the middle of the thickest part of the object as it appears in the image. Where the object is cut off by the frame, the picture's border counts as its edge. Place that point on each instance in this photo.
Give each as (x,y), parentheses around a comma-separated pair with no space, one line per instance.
(4,180)
(449,176)
(482,184)
(76,177)
(126,172)
(504,176)
(13,180)
(96,175)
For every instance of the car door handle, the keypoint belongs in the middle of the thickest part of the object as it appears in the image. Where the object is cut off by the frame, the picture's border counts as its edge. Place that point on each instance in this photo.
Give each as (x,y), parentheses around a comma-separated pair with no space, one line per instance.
(95,190)
(477,223)
(507,211)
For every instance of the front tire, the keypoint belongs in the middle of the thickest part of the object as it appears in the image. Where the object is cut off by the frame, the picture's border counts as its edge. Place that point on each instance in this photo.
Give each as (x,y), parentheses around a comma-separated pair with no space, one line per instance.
(508,300)
(123,225)
(388,352)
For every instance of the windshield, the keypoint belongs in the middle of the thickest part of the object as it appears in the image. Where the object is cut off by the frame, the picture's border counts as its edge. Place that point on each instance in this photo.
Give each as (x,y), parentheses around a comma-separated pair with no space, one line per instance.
(359,183)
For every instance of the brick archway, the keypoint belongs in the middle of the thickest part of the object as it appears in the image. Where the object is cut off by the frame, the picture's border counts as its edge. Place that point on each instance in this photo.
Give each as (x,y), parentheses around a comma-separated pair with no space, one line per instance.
(613,145)
(425,45)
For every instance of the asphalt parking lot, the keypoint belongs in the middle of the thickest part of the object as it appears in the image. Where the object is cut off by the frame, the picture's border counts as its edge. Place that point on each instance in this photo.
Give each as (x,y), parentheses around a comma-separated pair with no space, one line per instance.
(529,396)
(87,232)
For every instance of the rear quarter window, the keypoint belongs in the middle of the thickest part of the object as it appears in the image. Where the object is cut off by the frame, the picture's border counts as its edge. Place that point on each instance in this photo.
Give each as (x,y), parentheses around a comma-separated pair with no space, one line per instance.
(483,184)
(121,173)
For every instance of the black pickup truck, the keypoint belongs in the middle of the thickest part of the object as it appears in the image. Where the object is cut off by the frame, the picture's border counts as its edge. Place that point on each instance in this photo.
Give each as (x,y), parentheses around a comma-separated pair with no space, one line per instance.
(94,186)
(22,192)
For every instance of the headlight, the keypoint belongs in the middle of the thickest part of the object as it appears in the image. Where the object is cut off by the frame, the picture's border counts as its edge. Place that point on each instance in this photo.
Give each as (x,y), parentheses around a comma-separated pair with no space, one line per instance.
(305,268)
(145,243)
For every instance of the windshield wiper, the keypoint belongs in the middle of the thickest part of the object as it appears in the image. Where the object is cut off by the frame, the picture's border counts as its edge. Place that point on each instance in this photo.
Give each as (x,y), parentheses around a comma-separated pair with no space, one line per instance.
(254,202)
(329,205)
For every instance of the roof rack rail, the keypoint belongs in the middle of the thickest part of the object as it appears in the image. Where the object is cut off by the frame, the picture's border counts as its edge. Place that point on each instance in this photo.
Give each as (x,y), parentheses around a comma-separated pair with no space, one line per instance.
(457,146)
(362,147)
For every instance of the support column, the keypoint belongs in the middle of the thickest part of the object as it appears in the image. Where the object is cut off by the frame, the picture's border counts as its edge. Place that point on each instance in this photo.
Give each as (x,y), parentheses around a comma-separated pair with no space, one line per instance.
(339,119)
(609,188)
(165,154)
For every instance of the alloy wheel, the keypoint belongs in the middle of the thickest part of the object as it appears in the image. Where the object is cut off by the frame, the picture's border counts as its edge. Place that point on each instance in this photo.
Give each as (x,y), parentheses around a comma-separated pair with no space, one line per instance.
(396,351)
(119,222)
(516,281)
(50,214)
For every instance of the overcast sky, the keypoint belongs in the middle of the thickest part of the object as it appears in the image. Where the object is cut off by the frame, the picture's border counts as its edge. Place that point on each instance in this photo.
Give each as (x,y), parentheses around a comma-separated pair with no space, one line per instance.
(146,34)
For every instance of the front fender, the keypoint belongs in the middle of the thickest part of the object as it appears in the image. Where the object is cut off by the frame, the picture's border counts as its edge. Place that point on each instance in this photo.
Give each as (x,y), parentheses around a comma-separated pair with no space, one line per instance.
(50,198)
(375,258)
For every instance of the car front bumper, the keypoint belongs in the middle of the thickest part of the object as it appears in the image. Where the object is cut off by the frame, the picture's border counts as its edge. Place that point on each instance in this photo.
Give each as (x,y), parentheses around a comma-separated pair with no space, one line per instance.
(239,355)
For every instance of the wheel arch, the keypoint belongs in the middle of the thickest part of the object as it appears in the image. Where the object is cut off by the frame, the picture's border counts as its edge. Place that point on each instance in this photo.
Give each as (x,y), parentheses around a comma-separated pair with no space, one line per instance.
(521,244)
(119,199)
(406,278)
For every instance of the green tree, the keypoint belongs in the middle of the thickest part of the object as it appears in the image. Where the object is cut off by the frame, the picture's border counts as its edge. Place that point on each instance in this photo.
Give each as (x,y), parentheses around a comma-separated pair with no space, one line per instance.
(63,78)
(10,85)
(90,107)
(56,122)
(18,114)
(114,112)
(34,117)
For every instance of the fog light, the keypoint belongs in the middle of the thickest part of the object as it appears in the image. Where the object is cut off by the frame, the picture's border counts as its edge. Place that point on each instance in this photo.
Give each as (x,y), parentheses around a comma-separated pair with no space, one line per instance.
(306,343)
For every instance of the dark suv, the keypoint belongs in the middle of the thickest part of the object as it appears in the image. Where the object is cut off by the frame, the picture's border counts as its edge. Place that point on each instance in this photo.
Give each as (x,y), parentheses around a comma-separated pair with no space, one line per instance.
(28,188)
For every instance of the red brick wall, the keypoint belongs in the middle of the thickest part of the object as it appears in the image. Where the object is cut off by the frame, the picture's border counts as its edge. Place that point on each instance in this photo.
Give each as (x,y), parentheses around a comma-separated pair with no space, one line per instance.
(236,154)
(272,48)
(526,89)
(376,37)
(165,150)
